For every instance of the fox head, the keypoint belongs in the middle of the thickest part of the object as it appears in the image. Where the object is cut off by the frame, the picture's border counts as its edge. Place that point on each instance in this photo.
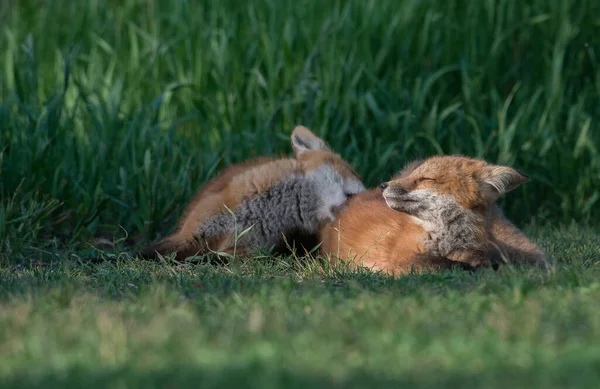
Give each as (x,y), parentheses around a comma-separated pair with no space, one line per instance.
(335,179)
(471,183)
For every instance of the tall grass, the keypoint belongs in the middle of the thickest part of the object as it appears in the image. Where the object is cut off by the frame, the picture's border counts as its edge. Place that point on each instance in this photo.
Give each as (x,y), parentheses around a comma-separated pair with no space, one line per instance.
(113,112)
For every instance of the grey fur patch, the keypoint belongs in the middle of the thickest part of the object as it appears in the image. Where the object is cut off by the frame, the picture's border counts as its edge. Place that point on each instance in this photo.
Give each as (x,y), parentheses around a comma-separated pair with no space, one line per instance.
(450,226)
(292,205)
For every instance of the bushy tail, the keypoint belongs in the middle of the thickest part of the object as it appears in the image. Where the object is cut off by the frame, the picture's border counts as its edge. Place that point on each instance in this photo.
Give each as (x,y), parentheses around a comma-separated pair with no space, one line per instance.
(183,247)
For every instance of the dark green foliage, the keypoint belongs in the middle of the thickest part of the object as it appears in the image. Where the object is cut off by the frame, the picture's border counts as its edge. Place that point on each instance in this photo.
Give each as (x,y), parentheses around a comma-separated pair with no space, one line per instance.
(121,110)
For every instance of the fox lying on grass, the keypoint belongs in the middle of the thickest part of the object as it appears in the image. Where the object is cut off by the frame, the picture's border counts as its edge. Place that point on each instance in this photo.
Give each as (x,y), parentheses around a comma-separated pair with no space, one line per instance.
(436,213)
(270,198)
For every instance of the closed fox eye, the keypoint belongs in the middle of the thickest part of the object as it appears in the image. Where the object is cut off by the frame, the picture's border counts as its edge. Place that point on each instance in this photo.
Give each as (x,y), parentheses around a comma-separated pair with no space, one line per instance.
(425,179)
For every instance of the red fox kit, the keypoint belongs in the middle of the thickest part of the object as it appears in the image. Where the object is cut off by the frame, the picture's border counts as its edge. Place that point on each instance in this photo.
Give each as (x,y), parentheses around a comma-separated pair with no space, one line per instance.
(272,197)
(437,212)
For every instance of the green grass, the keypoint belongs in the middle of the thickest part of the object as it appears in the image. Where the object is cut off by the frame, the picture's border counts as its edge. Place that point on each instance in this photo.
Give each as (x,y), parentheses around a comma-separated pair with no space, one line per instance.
(281,323)
(112,113)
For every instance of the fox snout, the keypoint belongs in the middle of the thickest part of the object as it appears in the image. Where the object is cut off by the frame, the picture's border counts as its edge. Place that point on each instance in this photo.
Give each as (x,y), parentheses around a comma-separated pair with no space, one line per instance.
(396,196)
(396,189)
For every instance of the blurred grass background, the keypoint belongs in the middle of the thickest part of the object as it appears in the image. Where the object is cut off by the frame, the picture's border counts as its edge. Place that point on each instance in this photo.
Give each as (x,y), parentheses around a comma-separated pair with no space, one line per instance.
(113,113)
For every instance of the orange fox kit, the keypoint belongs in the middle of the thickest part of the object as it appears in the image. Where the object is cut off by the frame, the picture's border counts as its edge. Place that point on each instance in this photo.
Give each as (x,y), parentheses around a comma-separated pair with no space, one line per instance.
(451,198)
(436,212)
(271,199)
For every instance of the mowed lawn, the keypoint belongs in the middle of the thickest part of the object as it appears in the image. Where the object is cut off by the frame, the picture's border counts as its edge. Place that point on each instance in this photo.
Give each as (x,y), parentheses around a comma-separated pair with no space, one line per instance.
(279,323)
(113,113)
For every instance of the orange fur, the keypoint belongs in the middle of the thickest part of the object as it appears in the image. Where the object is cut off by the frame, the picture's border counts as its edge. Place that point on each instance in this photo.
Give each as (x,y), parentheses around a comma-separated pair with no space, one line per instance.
(368,233)
(457,176)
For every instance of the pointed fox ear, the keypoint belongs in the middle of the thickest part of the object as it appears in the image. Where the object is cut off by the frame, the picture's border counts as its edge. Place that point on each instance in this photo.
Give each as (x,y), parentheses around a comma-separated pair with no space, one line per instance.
(304,140)
(497,180)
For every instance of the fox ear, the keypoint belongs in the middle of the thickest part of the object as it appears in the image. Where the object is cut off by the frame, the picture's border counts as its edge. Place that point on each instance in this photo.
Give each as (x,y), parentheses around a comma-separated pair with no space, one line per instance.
(497,180)
(304,140)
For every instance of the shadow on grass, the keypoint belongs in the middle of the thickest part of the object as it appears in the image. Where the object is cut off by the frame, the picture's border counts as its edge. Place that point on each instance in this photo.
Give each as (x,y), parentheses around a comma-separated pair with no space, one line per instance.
(581,373)
(130,279)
